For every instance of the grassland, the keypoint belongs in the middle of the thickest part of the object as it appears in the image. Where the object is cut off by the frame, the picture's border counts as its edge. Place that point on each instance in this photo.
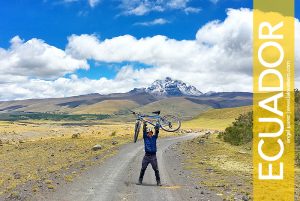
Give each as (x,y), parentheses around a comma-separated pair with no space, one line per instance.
(52,116)
(34,152)
(216,119)
(40,152)
(178,106)
(106,107)
(224,168)
(220,167)
(69,106)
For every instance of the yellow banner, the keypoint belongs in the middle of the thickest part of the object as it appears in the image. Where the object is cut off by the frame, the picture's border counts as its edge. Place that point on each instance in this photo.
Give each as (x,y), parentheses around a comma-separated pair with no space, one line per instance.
(273,100)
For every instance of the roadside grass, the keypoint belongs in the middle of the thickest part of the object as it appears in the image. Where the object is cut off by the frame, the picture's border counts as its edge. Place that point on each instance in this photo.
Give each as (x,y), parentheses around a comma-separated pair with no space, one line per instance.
(224,168)
(220,167)
(37,159)
(231,165)
(216,119)
(36,151)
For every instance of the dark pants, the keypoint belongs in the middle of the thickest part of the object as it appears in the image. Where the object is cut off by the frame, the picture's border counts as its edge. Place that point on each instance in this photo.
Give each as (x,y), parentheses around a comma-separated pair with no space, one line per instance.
(149,158)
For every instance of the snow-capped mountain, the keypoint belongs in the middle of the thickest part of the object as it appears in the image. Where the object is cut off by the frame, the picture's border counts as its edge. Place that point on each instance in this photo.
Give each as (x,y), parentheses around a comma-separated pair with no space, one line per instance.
(170,87)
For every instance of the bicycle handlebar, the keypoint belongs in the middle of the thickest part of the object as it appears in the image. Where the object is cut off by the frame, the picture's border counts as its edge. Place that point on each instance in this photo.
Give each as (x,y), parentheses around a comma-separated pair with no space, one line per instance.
(138,114)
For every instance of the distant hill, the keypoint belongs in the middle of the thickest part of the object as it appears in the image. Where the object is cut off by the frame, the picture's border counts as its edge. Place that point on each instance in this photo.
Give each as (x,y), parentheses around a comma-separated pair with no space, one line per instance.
(179,106)
(224,99)
(94,103)
(217,118)
(170,96)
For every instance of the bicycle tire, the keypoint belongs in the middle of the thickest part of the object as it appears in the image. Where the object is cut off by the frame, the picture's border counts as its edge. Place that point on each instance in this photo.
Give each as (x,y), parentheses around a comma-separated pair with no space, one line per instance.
(168,121)
(137,129)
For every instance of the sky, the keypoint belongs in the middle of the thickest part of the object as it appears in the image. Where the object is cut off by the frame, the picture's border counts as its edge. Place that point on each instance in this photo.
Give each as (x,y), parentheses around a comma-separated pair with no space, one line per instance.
(61,48)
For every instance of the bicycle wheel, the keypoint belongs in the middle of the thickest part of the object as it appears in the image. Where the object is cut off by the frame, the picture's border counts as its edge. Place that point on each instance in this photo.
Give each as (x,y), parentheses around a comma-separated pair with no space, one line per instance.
(170,123)
(137,129)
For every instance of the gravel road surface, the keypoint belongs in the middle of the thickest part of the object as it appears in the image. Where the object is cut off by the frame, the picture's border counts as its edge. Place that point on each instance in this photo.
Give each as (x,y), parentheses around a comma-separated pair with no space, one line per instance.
(116,178)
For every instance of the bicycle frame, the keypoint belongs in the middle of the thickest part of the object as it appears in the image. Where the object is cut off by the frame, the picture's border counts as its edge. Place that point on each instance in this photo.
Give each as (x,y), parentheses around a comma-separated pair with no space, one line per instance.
(157,120)
(154,117)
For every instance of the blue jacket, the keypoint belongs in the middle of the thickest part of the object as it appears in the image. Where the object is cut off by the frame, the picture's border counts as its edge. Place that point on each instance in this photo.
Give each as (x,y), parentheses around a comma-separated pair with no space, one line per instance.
(150,142)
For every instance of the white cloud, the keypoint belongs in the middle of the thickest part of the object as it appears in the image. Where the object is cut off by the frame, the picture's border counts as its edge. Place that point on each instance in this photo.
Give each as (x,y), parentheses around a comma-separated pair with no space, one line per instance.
(218,59)
(177,4)
(189,10)
(134,7)
(127,79)
(142,7)
(158,21)
(62,87)
(138,10)
(217,44)
(93,3)
(220,56)
(35,58)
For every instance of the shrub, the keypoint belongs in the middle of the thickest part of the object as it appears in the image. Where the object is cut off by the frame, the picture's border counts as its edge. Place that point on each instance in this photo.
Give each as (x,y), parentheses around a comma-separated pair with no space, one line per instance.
(240,132)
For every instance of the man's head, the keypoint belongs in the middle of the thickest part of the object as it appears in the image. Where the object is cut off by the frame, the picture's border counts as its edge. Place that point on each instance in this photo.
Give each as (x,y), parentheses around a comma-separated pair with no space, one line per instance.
(149,132)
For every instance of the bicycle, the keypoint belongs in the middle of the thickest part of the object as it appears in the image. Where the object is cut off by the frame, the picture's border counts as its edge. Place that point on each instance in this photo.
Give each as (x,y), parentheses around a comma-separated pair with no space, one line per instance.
(168,123)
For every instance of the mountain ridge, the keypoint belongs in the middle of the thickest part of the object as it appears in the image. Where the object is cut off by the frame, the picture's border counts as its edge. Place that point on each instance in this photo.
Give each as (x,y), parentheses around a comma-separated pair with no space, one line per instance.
(159,92)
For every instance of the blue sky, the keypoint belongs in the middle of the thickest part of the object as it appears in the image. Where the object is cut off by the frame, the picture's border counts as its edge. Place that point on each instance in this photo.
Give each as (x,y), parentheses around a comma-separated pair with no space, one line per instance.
(55,20)
(39,25)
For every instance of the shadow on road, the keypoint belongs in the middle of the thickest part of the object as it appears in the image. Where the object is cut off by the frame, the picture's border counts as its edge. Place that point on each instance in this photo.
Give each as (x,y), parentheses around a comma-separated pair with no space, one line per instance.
(127,183)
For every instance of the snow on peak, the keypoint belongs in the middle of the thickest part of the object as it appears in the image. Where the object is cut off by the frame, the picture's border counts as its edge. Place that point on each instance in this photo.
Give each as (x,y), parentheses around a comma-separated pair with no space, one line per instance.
(170,87)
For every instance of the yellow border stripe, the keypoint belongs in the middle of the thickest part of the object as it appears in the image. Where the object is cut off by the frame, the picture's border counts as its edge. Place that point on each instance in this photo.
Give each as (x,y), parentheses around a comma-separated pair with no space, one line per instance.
(273,100)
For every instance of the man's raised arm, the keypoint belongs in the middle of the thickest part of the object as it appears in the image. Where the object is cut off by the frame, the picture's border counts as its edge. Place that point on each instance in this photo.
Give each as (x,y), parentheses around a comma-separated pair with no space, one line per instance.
(144,129)
(156,128)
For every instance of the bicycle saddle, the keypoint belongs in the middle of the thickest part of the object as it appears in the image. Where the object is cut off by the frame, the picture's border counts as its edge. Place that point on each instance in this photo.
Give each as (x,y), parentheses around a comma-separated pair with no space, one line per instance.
(156,112)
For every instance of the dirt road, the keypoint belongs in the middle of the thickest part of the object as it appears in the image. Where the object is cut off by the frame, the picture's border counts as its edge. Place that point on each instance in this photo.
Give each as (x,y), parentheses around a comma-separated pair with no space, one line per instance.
(116,178)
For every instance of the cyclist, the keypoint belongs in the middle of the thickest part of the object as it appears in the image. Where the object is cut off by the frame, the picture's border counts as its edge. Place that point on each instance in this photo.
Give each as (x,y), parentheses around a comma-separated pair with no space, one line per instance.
(150,152)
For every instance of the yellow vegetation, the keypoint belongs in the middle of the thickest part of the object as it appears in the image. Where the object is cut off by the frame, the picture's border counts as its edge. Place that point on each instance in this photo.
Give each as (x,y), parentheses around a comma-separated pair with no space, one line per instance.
(105,107)
(38,149)
(220,166)
(217,119)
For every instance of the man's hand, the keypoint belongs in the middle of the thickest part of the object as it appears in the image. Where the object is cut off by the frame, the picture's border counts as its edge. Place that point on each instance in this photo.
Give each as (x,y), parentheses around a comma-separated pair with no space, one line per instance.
(157,126)
(144,126)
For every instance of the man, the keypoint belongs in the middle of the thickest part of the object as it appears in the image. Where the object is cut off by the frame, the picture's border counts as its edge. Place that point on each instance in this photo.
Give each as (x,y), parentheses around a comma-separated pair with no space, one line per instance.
(150,152)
